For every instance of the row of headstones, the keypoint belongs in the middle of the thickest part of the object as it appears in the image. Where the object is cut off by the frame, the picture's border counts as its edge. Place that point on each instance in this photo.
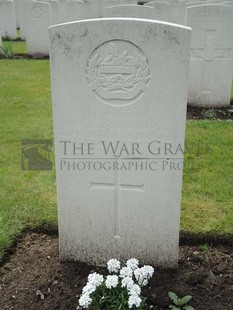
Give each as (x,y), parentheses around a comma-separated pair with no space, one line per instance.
(13,13)
(211,49)
(175,11)
(20,13)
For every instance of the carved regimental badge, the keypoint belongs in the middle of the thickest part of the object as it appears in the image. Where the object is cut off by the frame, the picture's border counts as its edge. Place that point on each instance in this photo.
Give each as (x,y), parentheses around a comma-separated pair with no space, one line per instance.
(36,12)
(118,72)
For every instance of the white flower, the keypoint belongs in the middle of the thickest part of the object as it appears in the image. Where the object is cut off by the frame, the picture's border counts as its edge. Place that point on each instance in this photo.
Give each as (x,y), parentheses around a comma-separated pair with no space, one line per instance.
(113,265)
(127,282)
(149,270)
(126,272)
(138,275)
(111,281)
(141,278)
(134,290)
(132,263)
(85,300)
(144,282)
(134,300)
(96,279)
(89,288)
(143,274)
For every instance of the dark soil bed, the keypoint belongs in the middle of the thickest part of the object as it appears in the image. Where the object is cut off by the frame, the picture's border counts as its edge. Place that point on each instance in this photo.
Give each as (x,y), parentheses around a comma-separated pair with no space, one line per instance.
(34,272)
(36,56)
(196,113)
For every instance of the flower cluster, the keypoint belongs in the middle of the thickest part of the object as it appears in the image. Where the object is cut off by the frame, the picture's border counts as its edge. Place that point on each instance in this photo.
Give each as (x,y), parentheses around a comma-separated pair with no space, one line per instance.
(111,281)
(113,265)
(94,280)
(128,279)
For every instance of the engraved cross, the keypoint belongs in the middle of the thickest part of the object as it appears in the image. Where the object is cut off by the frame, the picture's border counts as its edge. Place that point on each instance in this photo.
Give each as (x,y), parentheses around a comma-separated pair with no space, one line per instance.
(117,186)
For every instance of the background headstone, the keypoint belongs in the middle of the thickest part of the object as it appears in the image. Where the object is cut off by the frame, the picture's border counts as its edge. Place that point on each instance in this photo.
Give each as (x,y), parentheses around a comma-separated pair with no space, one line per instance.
(130,10)
(54,11)
(96,8)
(162,10)
(16,5)
(106,3)
(72,10)
(112,82)
(22,18)
(210,78)
(37,21)
(7,19)
(227,3)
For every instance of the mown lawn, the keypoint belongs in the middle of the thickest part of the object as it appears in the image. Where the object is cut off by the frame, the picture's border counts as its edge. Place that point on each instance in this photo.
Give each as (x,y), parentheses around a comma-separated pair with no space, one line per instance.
(207,203)
(28,198)
(18,47)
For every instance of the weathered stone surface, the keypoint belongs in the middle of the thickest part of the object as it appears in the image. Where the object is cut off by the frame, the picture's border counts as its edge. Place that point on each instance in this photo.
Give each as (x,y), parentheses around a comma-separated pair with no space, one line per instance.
(119,91)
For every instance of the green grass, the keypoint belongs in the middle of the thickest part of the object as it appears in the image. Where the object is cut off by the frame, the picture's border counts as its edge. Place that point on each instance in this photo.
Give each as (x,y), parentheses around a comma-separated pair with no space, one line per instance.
(28,199)
(18,47)
(207,204)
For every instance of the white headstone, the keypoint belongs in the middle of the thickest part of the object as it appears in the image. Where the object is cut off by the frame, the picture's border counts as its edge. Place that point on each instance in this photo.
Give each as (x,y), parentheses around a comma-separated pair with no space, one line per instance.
(167,10)
(114,83)
(213,2)
(96,8)
(130,10)
(159,1)
(172,11)
(227,3)
(22,18)
(62,10)
(211,55)
(119,2)
(37,21)
(106,3)
(54,11)
(7,19)
(183,7)
(178,11)
(16,5)
(72,10)
(162,10)
(192,1)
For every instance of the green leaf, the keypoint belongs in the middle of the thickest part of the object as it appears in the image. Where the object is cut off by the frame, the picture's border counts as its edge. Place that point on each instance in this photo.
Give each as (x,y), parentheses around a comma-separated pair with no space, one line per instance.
(172,307)
(185,300)
(188,307)
(173,297)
